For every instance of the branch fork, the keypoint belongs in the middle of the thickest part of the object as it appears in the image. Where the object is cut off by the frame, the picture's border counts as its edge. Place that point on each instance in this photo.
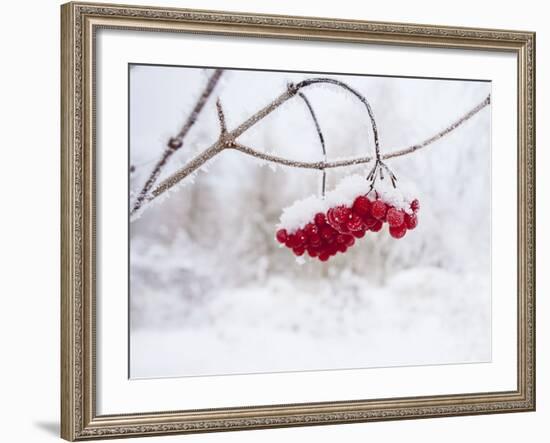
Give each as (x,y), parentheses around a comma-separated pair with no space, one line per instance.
(378,171)
(226,139)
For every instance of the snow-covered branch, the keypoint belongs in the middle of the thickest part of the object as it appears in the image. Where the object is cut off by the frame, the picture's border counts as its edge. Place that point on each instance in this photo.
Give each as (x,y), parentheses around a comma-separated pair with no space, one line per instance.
(228,139)
(362,160)
(447,130)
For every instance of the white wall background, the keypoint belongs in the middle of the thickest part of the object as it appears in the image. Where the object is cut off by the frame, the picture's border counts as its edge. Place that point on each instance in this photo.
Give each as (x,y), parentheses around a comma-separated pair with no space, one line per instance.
(29,234)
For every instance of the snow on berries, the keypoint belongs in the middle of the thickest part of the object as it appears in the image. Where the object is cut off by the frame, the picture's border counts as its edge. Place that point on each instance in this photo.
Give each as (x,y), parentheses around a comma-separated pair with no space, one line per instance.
(322,228)
(395,217)
(379,209)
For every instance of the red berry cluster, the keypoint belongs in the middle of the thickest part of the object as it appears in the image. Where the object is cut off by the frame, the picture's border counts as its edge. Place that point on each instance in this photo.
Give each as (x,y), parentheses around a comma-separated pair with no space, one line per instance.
(336,231)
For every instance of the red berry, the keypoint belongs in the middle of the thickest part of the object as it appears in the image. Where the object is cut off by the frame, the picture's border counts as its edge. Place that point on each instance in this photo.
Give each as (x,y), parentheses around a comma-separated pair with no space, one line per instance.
(378,209)
(398,231)
(290,241)
(320,219)
(342,248)
(415,205)
(314,240)
(377,226)
(361,233)
(370,221)
(411,221)
(299,251)
(343,214)
(395,217)
(324,256)
(337,217)
(341,239)
(312,252)
(331,217)
(311,229)
(355,223)
(281,236)
(327,232)
(343,228)
(350,241)
(361,206)
(300,237)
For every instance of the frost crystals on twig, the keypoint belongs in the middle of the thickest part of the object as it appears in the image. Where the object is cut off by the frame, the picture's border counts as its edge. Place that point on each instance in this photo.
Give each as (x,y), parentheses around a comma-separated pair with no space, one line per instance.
(378,170)
(228,140)
(321,140)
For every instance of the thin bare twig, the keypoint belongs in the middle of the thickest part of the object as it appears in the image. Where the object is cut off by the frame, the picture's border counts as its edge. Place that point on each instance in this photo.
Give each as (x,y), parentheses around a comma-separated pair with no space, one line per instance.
(221,116)
(321,140)
(176,142)
(362,99)
(315,122)
(443,133)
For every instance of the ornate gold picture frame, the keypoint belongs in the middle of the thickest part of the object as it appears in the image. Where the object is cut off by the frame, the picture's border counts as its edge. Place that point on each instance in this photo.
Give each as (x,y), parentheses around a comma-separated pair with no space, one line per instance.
(79,417)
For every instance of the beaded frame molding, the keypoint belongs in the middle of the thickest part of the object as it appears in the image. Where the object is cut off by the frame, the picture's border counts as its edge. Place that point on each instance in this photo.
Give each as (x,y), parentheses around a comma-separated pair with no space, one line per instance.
(79,23)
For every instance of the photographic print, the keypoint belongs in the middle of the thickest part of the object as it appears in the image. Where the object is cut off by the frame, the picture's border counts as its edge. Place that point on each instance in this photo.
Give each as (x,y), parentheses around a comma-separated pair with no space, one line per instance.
(292,221)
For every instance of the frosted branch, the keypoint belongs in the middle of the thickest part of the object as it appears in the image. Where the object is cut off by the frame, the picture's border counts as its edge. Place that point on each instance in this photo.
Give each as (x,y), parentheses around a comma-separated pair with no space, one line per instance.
(443,133)
(227,139)
(220,144)
(221,116)
(320,165)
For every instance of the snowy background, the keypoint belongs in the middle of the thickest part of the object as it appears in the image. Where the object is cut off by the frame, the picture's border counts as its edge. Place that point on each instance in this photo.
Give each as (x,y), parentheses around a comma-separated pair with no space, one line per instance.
(211,292)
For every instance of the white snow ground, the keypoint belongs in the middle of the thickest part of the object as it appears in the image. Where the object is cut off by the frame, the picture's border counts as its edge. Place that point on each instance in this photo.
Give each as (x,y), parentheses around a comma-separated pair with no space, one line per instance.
(421,316)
